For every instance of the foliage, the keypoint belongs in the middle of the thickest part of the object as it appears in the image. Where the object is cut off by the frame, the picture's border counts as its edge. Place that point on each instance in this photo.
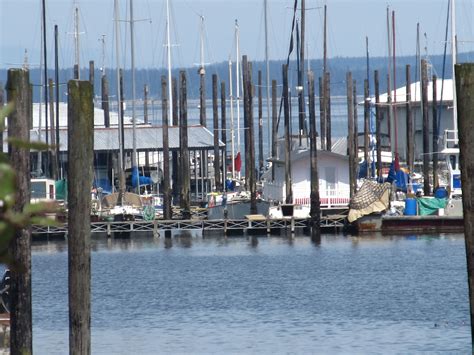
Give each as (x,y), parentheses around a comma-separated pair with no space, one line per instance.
(11,220)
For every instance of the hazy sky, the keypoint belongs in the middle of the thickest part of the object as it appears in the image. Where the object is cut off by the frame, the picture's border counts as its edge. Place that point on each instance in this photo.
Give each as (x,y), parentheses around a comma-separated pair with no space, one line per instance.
(349,22)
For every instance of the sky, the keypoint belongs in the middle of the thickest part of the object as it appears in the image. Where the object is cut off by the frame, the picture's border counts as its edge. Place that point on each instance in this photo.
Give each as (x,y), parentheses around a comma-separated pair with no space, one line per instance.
(349,22)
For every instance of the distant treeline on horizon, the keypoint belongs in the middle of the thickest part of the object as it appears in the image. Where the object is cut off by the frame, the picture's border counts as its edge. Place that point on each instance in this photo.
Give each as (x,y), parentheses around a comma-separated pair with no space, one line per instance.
(338,68)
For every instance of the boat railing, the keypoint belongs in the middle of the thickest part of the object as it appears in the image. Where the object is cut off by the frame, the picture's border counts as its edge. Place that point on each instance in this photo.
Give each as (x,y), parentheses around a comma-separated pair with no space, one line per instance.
(451,139)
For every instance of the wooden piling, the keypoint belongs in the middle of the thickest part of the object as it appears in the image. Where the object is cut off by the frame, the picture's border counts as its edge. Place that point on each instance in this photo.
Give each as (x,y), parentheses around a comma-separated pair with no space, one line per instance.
(223,134)
(175,154)
(274,125)
(202,97)
(76,72)
(215,115)
(356,129)
(315,211)
(260,125)
(410,137)
(122,116)
(167,215)
(18,93)
(389,112)
(322,115)
(146,91)
(351,135)
(245,93)
(366,127)
(426,132)
(80,158)
(183,146)
(91,74)
(56,78)
(378,123)
(286,109)
(105,100)
(327,100)
(52,131)
(464,74)
(435,134)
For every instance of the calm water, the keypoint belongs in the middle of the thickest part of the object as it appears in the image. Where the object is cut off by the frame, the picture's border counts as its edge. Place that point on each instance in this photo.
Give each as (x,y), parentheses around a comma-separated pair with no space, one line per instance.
(215,295)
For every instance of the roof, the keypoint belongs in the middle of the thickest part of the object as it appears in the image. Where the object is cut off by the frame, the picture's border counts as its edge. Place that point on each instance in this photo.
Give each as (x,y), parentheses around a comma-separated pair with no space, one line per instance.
(148,138)
(416,92)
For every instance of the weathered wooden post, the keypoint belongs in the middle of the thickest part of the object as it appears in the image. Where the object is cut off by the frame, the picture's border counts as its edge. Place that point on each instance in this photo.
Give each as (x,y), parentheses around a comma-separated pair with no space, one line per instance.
(366,127)
(245,93)
(56,78)
(260,125)
(80,158)
(314,196)
(274,125)
(286,109)
(146,91)
(18,93)
(105,100)
(223,135)
(215,116)
(54,161)
(435,134)
(250,128)
(464,74)
(166,151)
(122,116)
(91,74)
(327,99)
(183,145)
(378,127)
(389,113)
(322,114)
(356,130)
(426,141)
(175,154)
(351,135)
(409,123)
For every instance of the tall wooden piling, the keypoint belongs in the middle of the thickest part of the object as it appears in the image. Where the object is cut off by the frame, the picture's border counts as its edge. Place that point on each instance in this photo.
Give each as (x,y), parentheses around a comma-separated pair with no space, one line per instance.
(175,154)
(426,132)
(76,72)
(274,125)
(322,114)
(246,115)
(464,74)
(224,134)
(350,135)
(80,158)
(183,146)
(356,128)
(56,78)
(315,211)
(435,134)
(52,131)
(167,215)
(410,137)
(91,74)
(202,96)
(389,113)
(378,125)
(122,114)
(286,110)
(146,91)
(366,127)
(215,116)
(327,100)
(18,93)
(105,100)
(260,124)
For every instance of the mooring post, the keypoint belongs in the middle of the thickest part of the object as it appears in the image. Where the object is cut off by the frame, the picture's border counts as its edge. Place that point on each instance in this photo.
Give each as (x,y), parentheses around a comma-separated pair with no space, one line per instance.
(327,97)
(246,116)
(91,76)
(18,93)
(426,133)
(105,100)
(183,144)
(215,116)
(250,128)
(366,127)
(52,152)
(378,127)
(409,123)
(146,91)
(351,136)
(315,211)
(223,136)
(286,109)
(322,114)
(435,134)
(260,125)
(80,158)
(166,151)
(174,154)
(465,105)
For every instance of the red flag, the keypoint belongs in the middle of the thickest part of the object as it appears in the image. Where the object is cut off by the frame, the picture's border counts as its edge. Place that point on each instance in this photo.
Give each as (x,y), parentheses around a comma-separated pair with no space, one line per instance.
(238,162)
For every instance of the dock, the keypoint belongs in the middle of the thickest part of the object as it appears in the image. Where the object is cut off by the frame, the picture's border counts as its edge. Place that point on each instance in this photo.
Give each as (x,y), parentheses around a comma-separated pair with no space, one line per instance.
(155,227)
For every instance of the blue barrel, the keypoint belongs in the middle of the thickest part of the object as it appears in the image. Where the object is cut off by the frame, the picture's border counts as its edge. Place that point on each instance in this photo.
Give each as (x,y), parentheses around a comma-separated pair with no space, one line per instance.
(441,192)
(410,207)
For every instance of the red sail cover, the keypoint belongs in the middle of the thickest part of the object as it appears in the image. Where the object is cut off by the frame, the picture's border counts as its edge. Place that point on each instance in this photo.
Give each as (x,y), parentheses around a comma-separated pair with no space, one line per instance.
(238,162)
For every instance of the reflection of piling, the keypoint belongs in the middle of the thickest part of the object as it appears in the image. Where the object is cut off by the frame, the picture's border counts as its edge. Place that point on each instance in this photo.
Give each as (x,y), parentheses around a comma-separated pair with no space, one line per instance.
(166,152)
(314,197)
(183,147)
(80,158)
(465,105)
(18,93)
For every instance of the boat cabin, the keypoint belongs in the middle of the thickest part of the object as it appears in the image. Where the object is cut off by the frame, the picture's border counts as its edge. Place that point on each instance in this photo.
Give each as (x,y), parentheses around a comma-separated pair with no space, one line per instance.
(43,189)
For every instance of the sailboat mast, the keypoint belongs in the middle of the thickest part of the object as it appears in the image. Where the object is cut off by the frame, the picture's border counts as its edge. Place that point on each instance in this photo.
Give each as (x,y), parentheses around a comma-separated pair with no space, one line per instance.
(237,74)
(134,134)
(231,119)
(389,98)
(267,67)
(453,52)
(168,46)
(119,107)
(202,73)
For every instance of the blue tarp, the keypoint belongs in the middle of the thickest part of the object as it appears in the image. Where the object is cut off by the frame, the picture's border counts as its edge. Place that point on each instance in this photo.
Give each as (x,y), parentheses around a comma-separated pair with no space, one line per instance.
(142,180)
